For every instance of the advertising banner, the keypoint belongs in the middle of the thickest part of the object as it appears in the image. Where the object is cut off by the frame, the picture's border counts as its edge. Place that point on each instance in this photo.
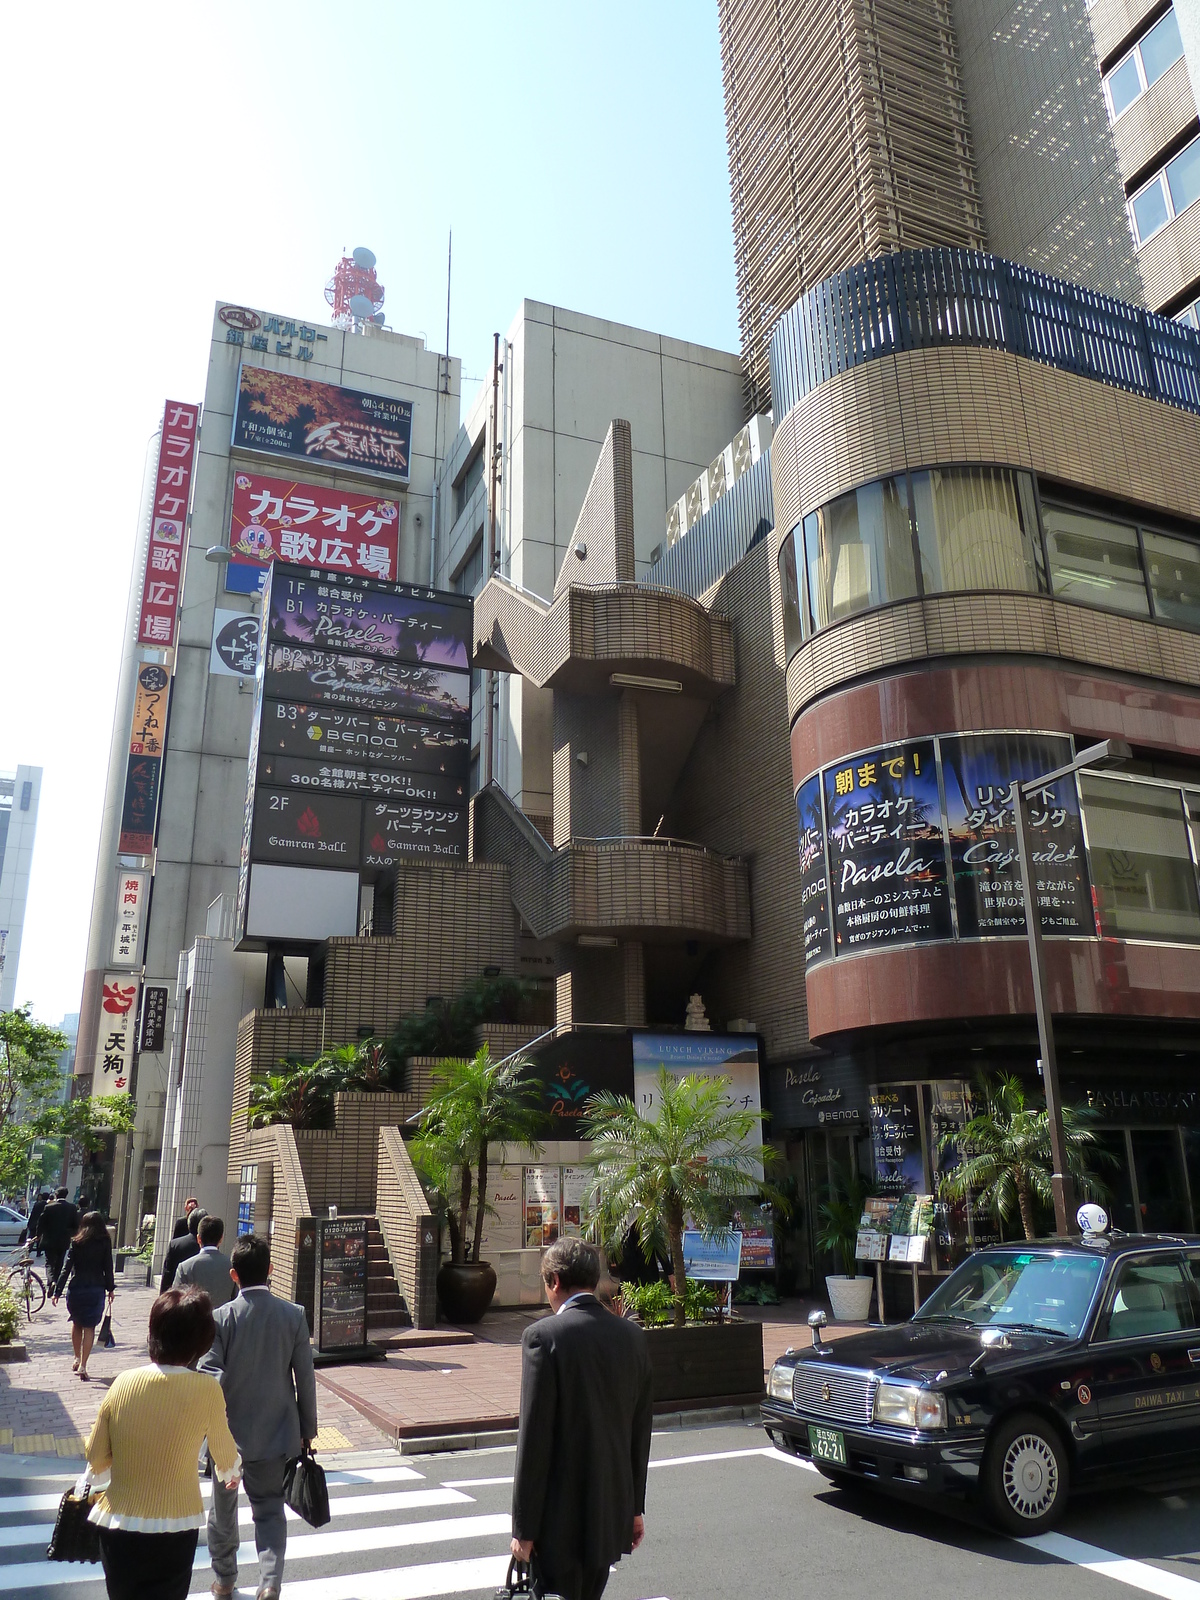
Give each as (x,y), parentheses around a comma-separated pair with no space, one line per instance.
(814,872)
(339,530)
(234,651)
(133,890)
(887,853)
(341,1289)
(699,1055)
(140,810)
(149,711)
(154,1020)
(365,619)
(290,728)
(712,1260)
(978,771)
(416,788)
(756,1224)
(112,1068)
(168,526)
(366,682)
(575,1181)
(393,833)
(896,1139)
(285,415)
(314,830)
(542,1195)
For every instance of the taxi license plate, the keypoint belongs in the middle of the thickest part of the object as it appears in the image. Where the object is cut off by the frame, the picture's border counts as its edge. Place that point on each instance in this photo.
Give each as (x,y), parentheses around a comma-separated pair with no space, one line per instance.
(827,1444)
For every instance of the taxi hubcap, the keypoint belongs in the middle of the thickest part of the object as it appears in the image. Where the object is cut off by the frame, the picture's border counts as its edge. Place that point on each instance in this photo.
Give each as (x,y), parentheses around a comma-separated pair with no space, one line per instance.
(1030,1475)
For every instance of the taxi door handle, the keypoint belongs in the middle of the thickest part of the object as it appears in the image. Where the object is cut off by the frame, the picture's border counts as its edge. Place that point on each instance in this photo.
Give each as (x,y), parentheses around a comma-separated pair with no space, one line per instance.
(1194,1357)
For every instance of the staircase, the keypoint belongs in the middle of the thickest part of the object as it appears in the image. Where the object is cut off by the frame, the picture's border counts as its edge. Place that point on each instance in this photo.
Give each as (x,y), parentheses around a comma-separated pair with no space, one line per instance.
(386,1309)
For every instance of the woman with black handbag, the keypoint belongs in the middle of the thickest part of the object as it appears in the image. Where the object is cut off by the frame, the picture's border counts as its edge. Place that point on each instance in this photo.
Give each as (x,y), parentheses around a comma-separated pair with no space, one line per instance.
(87,1276)
(151,1425)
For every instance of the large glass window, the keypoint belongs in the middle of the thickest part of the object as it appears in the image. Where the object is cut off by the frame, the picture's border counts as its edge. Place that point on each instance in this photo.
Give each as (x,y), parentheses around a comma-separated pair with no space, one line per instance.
(1173,568)
(789,588)
(1142,873)
(1145,64)
(1095,561)
(858,551)
(1167,193)
(977,529)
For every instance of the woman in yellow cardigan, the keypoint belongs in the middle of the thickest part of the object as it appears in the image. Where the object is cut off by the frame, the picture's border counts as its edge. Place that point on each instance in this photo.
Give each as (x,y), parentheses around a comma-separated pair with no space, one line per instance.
(151,1426)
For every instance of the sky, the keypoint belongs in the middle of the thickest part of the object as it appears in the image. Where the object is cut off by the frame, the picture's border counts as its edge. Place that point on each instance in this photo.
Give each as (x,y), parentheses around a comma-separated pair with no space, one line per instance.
(161,157)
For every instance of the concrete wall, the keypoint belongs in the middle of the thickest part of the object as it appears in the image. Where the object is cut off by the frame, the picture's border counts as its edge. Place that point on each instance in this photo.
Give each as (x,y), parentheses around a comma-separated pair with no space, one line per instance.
(16,861)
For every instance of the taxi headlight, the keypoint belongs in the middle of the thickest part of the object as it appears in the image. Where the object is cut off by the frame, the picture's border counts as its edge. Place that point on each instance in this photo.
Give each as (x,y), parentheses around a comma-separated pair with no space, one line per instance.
(779,1384)
(904,1405)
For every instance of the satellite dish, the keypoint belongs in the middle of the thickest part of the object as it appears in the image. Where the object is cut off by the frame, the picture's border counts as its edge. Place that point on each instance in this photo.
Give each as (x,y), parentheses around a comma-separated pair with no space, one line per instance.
(363,258)
(361,307)
(378,319)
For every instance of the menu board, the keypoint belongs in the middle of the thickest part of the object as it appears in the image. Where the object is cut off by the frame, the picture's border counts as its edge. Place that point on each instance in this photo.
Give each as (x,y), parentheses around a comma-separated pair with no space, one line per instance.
(341,1297)
(896,1139)
(978,772)
(814,874)
(542,1192)
(575,1181)
(887,853)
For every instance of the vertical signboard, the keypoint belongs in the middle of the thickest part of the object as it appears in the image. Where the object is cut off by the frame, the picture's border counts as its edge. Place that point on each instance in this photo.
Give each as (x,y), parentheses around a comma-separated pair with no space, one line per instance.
(154,1020)
(133,890)
(341,1288)
(896,1139)
(814,872)
(143,772)
(117,1037)
(163,575)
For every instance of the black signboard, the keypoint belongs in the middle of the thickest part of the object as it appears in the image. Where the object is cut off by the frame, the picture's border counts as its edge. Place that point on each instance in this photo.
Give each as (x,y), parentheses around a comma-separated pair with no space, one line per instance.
(823,1092)
(887,854)
(362,618)
(896,1139)
(408,744)
(574,1067)
(395,833)
(340,777)
(978,771)
(140,809)
(154,1019)
(320,677)
(311,830)
(341,1286)
(286,415)
(814,874)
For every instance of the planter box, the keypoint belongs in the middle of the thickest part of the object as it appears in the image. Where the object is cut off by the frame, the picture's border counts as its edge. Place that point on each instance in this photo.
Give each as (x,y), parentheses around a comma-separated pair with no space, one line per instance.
(14,1350)
(718,1362)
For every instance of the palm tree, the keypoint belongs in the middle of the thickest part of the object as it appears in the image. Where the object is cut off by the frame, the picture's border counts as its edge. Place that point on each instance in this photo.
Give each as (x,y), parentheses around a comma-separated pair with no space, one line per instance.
(1005,1159)
(475,1104)
(693,1161)
(839,1216)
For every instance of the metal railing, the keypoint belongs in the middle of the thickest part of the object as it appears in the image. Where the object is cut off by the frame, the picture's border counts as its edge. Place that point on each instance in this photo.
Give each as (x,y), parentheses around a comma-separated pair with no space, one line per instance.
(920,299)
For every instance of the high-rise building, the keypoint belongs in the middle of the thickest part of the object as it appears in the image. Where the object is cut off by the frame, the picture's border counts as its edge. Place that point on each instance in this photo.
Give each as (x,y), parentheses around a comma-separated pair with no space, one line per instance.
(20,792)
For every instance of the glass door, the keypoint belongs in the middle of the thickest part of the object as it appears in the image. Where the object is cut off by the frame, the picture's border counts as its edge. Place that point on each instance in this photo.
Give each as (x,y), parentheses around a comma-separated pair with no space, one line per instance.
(1162,1191)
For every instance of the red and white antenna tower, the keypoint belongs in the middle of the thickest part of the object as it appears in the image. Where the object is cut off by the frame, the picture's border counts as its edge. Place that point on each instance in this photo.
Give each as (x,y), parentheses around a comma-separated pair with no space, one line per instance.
(354,292)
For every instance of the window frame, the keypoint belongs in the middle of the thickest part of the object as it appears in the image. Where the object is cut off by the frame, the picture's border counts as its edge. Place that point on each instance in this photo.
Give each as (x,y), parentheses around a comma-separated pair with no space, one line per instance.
(1174,1258)
(1144,80)
(1160,178)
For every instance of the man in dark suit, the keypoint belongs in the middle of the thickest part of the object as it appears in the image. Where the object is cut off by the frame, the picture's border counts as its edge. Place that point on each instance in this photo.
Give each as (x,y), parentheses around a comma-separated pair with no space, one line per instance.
(179,1250)
(60,1221)
(33,1228)
(579,1490)
(181,1223)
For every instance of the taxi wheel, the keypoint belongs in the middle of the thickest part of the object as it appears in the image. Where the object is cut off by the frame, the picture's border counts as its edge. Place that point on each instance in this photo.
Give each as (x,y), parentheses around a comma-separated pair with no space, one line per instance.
(1026,1475)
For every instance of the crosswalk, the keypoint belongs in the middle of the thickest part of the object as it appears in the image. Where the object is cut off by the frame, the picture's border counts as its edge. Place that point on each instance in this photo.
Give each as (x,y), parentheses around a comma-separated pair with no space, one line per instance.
(395,1534)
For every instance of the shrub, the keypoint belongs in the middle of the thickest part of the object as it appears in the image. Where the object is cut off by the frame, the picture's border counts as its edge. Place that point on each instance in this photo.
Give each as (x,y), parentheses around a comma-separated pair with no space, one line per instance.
(10,1312)
(654,1303)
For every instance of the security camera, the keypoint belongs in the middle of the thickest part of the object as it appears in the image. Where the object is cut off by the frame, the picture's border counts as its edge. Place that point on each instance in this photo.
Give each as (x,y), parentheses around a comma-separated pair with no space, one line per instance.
(581,551)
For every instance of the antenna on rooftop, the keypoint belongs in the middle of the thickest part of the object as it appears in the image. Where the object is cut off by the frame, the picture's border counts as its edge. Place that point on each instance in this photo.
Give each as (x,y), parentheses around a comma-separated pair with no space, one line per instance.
(355,293)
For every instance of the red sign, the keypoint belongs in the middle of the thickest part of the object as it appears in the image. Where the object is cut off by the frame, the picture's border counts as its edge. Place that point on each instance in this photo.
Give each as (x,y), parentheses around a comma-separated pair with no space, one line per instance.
(337,529)
(168,525)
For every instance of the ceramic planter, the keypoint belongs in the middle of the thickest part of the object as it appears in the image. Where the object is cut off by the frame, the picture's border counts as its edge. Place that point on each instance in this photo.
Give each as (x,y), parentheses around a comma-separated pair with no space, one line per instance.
(465,1289)
(850,1298)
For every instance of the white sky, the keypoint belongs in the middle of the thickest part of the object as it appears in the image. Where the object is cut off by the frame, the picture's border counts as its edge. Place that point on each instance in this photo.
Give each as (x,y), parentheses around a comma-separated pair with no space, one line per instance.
(158,158)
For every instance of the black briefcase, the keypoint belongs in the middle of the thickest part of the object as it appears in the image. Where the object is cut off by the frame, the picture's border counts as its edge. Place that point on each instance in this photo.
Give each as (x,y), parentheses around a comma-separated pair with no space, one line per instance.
(521,1584)
(305,1490)
(74,1537)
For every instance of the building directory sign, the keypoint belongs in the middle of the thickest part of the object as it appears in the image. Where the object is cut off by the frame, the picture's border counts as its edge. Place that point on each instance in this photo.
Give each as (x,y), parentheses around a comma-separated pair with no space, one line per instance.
(367,619)
(339,530)
(163,573)
(282,414)
(404,744)
(369,683)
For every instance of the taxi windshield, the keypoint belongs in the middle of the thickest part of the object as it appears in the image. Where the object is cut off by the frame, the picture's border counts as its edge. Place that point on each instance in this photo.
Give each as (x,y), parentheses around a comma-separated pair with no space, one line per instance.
(1035,1290)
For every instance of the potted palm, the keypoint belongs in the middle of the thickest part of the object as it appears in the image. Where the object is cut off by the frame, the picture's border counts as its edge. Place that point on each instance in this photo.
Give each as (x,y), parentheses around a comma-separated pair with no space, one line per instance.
(475,1104)
(838,1218)
(689,1166)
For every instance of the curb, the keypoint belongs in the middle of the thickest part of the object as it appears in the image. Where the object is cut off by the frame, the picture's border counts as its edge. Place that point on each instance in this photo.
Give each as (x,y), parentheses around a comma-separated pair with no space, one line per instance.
(498,1438)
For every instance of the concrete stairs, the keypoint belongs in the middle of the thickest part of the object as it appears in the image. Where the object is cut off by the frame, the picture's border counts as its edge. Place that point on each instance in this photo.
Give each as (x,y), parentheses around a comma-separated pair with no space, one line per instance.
(386,1310)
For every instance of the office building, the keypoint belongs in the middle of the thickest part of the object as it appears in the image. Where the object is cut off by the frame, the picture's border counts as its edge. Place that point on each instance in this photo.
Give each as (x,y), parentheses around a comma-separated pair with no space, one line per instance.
(20,792)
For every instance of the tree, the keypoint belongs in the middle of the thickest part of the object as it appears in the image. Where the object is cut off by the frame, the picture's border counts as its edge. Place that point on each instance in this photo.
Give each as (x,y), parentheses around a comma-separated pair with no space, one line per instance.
(1005,1160)
(31,1103)
(692,1161)
(475,1104)
(839,1215)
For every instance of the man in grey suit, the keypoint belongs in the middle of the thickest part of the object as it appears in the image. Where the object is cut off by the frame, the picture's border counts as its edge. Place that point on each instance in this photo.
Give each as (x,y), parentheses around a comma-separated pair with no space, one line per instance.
(209,1270)
(263,1358)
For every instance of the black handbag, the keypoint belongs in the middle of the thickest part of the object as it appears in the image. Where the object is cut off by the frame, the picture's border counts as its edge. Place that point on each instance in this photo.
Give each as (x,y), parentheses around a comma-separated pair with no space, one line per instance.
(521,1583)
(305,1490)
(104,1334)
(74,1537)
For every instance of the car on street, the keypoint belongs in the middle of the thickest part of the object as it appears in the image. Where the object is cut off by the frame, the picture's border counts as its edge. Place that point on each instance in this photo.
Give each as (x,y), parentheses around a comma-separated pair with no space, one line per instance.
(12,1226)
(1032,1371)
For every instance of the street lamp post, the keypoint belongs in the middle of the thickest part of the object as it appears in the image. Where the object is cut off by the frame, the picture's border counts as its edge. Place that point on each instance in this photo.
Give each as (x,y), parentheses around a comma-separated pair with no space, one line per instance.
(1108,753)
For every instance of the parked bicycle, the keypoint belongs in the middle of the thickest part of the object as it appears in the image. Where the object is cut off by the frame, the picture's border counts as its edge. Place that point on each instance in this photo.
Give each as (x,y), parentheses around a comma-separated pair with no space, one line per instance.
(27,1285)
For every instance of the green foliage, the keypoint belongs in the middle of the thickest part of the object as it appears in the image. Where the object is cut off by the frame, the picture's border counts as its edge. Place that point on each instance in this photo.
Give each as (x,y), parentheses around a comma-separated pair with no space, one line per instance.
(838,1218)
(1005,1159)
(447,1027)
(692,1162)
(32,1108)
(654,1303)
(757,1294)
(10,1311)
(476,1103)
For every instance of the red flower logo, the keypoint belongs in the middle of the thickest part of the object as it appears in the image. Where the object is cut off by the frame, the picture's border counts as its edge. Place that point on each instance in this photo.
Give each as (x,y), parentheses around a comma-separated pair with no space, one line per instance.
(309,824)
(378,842)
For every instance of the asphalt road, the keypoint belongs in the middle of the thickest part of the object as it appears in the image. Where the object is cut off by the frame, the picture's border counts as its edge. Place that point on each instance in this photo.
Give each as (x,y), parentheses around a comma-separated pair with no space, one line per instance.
(726,1516)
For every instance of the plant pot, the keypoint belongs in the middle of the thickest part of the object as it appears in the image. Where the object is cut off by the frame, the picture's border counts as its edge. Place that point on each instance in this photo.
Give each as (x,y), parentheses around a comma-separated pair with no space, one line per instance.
(466,1289)
(850,1298)
(717,1362)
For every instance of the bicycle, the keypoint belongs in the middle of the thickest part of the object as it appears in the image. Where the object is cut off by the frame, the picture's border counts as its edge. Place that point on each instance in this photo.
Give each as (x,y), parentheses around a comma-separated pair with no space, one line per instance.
(27,1285)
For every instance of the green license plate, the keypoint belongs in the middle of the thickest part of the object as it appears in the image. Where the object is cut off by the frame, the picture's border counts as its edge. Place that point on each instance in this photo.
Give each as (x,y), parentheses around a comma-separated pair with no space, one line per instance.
(827,1444)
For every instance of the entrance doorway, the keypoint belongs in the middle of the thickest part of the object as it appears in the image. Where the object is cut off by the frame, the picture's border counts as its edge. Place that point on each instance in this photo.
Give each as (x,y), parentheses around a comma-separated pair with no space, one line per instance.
(1148,1185)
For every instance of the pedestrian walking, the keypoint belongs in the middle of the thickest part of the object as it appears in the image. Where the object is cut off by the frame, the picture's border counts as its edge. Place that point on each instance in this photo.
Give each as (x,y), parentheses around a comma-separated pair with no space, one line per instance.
(59,1222)
(181,1223)
(87,1276)
(148,1433)
(579,1487)
(262,1356)
(209,1269)
(33,1227)
(180,1249)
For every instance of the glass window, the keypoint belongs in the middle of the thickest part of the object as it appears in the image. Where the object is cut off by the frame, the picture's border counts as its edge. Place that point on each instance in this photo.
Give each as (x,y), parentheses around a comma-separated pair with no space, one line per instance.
(1150,210)
(1161,48)
(1190,315)
(858,551)
(1124,84)
(1142,874)
(977,529)
(1095,561)
(792,631)
(1173,567)
(1151,1297)
(997,1289)
(1183,177)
